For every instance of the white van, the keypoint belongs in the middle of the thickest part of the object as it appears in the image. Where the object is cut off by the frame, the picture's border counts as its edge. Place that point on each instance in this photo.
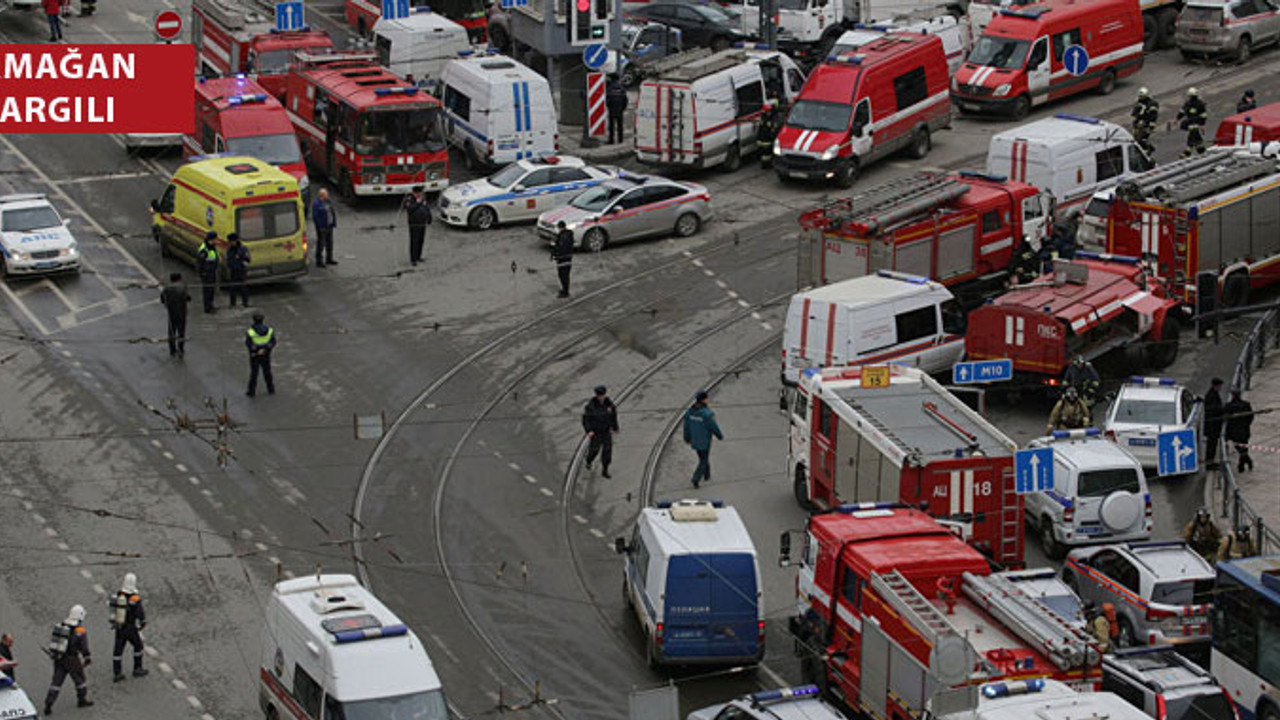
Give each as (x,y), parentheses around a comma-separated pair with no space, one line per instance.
(705,112)
(331,649)
(14,703)
(1070,156)
(956,36)
(692,578)
(419,45)
(886,317)
(498,110)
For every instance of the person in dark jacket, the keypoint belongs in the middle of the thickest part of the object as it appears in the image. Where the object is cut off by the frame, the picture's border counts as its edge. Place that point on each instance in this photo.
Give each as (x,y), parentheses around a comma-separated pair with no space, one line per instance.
(1239,417)
(1212,421)
(562,254)
(600,422)
(1248,102)
(1025,266)
(615,102)
(69,650)
(175,297)
(1145,114)
(128,618)
(1194,115)
(1082,376)
(237,269)
(207,265)
(260,339)
(699,428)
(325,219)
(770,124)
(419,212)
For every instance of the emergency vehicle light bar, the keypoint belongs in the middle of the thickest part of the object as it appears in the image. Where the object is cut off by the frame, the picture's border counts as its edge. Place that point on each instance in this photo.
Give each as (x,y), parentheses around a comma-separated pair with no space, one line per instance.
(914,279)
(347,636)
(1076,434)
(850,58)
(992,177)
(242,99)
(1005,689)
(406,90)
(666,504)
(1029,13)
(5,682)
(850,508)
(751,46)
(1090,255)
(788,692)
(1078,118)
(278,31)
(1140,380)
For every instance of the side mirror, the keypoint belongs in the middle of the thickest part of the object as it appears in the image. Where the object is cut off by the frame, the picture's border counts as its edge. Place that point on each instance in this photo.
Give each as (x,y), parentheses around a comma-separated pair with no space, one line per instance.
(519,188)
(155,206)
(66,222)
(784,549)
(620,546)
(613,210)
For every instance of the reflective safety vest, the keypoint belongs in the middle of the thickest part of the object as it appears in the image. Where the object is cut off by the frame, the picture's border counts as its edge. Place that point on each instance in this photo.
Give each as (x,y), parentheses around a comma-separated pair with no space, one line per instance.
(207,252)
(261,340)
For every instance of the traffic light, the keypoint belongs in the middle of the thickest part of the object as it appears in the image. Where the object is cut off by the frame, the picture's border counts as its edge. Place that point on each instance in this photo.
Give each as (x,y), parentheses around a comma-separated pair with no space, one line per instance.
(589,21)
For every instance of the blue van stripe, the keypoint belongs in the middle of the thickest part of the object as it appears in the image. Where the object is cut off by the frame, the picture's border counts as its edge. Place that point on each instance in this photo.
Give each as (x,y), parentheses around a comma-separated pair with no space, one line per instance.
(527,124)
(515,99)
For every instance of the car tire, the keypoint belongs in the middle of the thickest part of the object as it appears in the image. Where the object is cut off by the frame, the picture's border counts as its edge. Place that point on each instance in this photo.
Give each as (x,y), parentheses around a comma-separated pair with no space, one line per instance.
(1108,83)
(1269,712)
(1162,352)
(1125,637)
(1021,107)
(687,225)
(482,218)
(921,144)
(596,240)
(1167,28)
(800,487)
(1235,291)
(1150,33)
(732,159)
(1244,50)
(272,713)
(1048,543)
(847,173)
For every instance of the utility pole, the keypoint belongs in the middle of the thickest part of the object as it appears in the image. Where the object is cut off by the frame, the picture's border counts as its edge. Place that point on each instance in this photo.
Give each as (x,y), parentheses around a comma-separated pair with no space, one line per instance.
(768,24)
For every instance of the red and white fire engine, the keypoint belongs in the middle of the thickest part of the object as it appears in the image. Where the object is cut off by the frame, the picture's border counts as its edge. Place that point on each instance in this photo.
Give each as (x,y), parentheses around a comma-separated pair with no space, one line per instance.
(1088,306)
(1211,213)
(365,129)
(956,229)
(892,609)
(233,37)
(910,441)
(470,14)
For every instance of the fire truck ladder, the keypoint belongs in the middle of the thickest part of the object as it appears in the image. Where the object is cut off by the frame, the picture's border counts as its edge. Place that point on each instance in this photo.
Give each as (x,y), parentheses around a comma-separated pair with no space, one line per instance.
(909,603)
(1067,646)
(1233,171)
(1010,518)
(873,422)
(891,201)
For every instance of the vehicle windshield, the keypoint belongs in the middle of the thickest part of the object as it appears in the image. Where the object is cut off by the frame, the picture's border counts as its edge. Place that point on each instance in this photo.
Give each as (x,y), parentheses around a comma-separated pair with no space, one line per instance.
(275,149)
(1203,706)
(597,198)
(34,218)
(418,706)
(820,115)
(998,52)
(274,62)
(507,176)
(1100,483)
(386,132)
(1146,412)
(1201,14)
(1098,207)
(1183,592)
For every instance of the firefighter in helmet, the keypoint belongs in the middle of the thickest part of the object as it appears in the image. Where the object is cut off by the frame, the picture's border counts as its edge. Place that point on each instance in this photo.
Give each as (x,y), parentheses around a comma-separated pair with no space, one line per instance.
(1248,102)
(1082,376)
(1025,265)
(1236,545)
(770,124)
(1070,413)
(1145,113)
(1193,116)
(69,650)
(1101,624)
(1203,535)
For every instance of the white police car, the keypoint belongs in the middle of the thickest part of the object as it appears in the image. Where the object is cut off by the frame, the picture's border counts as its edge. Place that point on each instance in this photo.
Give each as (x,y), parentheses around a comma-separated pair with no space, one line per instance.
(522,190)
(34,239)
(14,703)
(793,703)
(1143,408)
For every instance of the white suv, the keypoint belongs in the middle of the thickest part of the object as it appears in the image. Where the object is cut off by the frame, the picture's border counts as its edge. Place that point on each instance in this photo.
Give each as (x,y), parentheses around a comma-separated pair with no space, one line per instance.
(34,239)
(794,703)
(1100,494)
(1145,407)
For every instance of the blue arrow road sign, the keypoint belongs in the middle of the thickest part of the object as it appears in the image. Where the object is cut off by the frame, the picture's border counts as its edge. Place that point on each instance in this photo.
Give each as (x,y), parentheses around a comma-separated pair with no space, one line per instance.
(289,15)
(1076,60)
(1176,452)
(1033,469)
(594,55)
(982,371)
(394,9)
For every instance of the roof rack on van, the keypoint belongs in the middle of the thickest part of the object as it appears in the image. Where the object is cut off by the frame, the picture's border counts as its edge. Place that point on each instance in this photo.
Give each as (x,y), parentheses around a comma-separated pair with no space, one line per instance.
(694,68)
(658,67)
(692,510)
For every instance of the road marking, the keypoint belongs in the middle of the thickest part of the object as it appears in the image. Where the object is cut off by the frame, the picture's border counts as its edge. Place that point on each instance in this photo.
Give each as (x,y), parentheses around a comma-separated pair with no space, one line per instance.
(165,668)
(579,519)
(99,589)
(546,491)
(596,533)
(73,559)
(531,479)
(180,467)
(86,574)
(514,466)
(109,176)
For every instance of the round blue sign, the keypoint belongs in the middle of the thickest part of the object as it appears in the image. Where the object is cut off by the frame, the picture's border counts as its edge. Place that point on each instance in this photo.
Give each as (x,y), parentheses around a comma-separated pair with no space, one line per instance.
(594,55)
(1076,60)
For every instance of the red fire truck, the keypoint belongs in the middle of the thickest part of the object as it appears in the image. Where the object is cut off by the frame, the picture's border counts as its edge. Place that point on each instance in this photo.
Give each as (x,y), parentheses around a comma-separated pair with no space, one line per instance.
(237,116)
(365,129)
(1088,306)
(233,37)
(470,14)
(1209,213)
(957,229)
(892,609)
(910,441)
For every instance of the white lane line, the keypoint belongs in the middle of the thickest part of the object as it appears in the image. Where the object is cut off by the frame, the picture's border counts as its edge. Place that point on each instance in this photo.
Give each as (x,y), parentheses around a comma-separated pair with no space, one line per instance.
(579,519)
(165,668)
(156,443)
(697,263)
(96,178)
(194,480)
(38,518)
(86,574)
(167,455)
(731,294)
(722,284)
(596,533)
(99,589)
(73,559)
(183,468)
(744,303)
(514,466)
(179,684)
(546,491)
(708,272)
(531,479)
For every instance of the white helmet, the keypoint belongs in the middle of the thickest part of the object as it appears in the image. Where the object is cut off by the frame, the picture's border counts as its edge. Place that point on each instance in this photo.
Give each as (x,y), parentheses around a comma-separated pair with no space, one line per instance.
(76,616)
(1143,92)
(1192,92)
(130,584)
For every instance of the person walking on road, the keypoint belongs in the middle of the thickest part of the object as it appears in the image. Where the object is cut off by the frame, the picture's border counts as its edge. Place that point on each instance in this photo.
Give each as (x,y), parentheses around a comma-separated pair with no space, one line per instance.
(562,254)
(770,124)
(419,212)
(615,102)
(53,11)
(1239,416)
(325,219)
(207,265)
(1203,535)
(1070,413)
(69,649)
(128,618)
(238,269)
(260,339)
(699,428)
(175,298)
(1145,114)
(600,421)
(7,664)
(1212,422)
(1194,115)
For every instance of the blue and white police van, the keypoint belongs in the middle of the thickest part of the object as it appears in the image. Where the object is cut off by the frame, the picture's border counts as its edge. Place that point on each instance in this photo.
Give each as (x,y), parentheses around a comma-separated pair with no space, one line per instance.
(331,649)
(693,578)
(498,110)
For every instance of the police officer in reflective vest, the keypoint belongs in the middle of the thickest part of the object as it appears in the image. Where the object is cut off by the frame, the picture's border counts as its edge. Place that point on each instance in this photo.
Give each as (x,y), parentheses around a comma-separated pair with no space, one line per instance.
(69,649)
(260,339)
(1146,113)
(127,618)
(770,124)
(1194,115)
(207,265)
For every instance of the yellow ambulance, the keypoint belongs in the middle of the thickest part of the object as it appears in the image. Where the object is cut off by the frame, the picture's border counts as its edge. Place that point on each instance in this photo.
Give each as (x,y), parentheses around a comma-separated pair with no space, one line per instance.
(244,195)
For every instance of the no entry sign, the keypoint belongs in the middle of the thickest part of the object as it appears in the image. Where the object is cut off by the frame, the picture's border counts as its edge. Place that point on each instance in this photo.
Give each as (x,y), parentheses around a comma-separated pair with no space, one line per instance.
(168,25)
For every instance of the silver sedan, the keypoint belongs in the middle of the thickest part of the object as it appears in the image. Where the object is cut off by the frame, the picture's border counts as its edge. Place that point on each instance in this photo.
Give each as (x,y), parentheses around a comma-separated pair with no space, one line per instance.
(627,208)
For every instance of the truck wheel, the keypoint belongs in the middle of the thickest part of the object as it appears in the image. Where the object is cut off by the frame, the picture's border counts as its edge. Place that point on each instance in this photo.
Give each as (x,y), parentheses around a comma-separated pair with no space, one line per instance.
(687,225)
(732,159)
(482,218)
(1164,350)
(1125,638)
(1244,50)
(800,486)
(272,713)
(1167,28)
(1048,543)
(1235,291)
(595,240)
(1269,712)
(1150,33)
(921,143)
(1108,82)
(847,173)
(1021,107)
(345,188)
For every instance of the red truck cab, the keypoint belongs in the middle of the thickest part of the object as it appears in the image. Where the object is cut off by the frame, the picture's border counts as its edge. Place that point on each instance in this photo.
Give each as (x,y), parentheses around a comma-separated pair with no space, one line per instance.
(1260,125)
(232,38)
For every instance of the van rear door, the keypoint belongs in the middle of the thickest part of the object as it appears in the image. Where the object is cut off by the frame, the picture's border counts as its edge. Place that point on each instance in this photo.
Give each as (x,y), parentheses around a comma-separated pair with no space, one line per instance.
(665,122)
(711,607)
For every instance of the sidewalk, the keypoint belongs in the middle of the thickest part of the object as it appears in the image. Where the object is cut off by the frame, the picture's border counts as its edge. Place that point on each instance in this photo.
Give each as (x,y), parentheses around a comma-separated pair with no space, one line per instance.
(1260,486)
(571,144)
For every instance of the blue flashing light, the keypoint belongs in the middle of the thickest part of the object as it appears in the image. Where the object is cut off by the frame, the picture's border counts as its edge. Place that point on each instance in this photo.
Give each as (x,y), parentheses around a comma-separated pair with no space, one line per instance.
(1109,257)
(799,691)
(347,636)
(849,508)
(849,58)
(243,99)
(1140,380)
(200,79)
(979,175)
(913,279)
(422,9)
(1076,434)
(995,690)
(240,77)
(466,53)
(1078,118)
(406,90)
(5,682)
(1005,689)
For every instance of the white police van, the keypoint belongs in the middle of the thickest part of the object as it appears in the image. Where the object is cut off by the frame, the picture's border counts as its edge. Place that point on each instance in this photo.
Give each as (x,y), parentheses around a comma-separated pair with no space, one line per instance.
(14,703)
(692,577)
(498,110)
(419,45)
(333,650)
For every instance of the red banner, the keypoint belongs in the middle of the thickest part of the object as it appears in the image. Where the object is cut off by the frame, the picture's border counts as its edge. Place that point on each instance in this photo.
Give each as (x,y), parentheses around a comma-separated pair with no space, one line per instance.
(97,88)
